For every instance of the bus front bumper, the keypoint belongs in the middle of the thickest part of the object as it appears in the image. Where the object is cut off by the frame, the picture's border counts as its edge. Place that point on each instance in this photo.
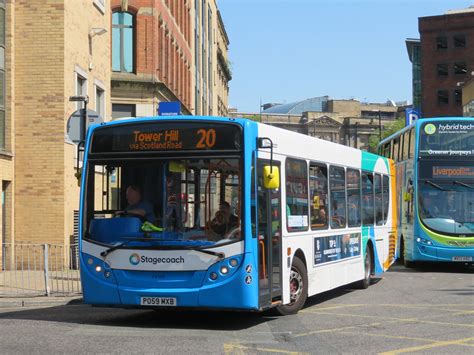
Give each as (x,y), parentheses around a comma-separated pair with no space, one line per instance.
(444,254)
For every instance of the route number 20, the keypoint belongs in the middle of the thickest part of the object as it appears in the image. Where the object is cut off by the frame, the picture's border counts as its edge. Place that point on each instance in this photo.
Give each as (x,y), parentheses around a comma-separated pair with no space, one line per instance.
(207,138)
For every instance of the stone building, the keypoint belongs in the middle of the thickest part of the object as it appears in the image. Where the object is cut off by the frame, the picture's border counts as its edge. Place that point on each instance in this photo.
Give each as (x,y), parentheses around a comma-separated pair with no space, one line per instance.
(347,122)
(50,50)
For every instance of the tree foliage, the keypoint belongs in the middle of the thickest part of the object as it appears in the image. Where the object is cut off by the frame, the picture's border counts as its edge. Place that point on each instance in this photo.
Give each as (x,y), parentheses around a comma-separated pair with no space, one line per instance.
(388,131)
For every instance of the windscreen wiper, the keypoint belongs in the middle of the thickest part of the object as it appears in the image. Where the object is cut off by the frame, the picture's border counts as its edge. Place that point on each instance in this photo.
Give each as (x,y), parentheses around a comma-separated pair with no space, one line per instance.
(463,184)
(429,182)
(220,255)
(115,247)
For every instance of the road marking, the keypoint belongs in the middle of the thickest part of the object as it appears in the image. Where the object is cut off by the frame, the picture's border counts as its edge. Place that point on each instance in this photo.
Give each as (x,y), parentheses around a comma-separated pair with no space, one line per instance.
(415,320)
(342,328)
(435,344)
(431,341)
(238,349)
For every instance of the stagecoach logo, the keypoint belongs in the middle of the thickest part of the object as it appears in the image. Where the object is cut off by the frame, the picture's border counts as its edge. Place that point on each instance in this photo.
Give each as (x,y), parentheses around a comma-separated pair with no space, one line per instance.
(430,129)
(134,259)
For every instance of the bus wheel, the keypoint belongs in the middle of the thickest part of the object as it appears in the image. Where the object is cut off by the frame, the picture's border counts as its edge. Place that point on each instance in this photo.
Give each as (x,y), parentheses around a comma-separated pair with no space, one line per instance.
(406,263)
(298,288)
(365,282)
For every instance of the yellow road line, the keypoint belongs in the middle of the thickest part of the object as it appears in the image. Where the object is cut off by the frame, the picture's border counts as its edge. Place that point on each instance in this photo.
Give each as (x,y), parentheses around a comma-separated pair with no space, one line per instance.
(415,320)
(342,328)
(239,349)
(436,344)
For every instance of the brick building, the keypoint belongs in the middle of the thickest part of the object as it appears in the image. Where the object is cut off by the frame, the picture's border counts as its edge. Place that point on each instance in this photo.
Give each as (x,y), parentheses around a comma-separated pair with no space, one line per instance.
(167,51)
(447,60)
(51,51)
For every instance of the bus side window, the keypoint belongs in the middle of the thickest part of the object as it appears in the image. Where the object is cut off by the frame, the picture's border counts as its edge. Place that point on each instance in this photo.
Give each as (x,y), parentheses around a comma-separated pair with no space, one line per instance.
(400,148)
(412,143)
(353,198)
(318,188)
(367,199)
(338,196)
(395,149)
(405,146)
(296,194)
(378,199)
(385,196)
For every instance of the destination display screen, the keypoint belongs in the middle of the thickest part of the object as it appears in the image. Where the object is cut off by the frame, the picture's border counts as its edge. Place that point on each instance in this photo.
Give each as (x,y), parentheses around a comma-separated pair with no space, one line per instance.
(453,172)
(453,139)
(445,170)
(166,136)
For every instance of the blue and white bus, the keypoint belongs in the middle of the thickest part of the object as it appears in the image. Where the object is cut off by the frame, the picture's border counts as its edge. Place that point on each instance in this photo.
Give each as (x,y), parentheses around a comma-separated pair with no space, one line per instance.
(434,161)
(310,215)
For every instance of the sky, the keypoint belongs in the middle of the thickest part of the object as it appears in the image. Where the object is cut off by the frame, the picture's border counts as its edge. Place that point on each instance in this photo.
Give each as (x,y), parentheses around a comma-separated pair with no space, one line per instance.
(283,51)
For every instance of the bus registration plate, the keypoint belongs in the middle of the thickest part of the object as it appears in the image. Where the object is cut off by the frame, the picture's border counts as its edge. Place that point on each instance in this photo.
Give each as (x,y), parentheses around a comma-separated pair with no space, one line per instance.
(158,301)
(461,258)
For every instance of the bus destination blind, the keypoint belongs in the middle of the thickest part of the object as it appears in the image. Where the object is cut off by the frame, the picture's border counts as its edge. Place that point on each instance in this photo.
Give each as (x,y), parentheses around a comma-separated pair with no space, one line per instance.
(166,137)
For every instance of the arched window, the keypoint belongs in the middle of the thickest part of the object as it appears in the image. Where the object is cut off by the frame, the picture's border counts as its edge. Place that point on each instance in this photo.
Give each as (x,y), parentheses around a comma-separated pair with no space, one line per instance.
(123,37)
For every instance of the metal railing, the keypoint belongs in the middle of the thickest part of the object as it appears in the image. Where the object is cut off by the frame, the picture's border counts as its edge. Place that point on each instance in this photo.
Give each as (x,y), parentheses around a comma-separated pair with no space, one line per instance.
(39,269)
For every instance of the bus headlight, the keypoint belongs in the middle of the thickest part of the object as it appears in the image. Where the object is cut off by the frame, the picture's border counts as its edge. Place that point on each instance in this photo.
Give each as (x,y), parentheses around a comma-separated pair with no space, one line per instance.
(213,276)
(424,241)
(224,270)
(98,268)
(233,262)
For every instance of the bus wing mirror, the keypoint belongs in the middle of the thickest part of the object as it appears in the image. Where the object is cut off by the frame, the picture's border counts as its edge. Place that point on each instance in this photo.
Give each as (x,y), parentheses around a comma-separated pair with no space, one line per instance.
(271,177)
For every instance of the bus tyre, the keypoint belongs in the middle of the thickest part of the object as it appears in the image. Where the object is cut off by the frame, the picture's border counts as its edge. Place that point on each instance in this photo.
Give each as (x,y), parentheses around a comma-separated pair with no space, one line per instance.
(405,262)
(298,288)
(365,282)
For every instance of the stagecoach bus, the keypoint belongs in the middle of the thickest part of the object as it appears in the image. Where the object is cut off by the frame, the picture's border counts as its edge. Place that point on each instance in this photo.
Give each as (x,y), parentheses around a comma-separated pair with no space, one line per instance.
(307,215)
(434,160)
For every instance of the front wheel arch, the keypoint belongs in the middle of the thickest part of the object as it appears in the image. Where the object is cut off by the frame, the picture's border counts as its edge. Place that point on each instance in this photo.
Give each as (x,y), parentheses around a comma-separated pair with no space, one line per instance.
(298,287)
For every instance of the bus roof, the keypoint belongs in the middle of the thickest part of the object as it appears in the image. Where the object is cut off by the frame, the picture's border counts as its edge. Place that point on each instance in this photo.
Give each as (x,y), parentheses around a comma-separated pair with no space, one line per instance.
(419,122)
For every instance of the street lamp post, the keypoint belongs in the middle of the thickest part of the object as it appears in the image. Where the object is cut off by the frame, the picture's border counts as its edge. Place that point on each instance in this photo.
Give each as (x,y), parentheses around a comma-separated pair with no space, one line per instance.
(380,126)
(82,129)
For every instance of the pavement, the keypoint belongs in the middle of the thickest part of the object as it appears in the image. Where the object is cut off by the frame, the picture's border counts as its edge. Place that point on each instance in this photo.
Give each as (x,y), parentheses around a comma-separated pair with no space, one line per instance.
(39,301)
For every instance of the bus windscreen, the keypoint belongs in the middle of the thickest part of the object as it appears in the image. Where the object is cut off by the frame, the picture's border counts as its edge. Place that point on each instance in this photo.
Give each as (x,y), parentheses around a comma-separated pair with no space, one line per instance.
(166,137)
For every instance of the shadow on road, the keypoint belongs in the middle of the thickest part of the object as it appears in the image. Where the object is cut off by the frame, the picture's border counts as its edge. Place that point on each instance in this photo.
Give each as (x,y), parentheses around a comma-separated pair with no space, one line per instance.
(77,313)
(434,267)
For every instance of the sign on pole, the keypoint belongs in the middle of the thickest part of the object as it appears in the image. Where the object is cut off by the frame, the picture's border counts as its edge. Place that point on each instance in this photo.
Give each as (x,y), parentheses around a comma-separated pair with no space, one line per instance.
(172,108)
(411,115)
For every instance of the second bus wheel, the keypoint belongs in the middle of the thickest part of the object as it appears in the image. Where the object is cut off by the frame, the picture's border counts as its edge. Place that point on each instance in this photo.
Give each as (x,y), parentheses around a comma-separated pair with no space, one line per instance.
(365,282)
(298,288)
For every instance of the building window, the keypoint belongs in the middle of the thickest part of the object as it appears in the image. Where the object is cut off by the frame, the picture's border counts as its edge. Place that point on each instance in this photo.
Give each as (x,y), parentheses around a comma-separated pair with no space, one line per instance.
(442,69)
(459,41)
(441,42)
(81,86)
(123,110)
(460,68)
(443,97)
(123,42)
(458,97)
(100,100)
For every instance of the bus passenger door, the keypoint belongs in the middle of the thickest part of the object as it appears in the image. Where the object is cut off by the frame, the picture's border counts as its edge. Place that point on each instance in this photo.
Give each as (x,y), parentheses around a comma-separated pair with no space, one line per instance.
(269,240)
